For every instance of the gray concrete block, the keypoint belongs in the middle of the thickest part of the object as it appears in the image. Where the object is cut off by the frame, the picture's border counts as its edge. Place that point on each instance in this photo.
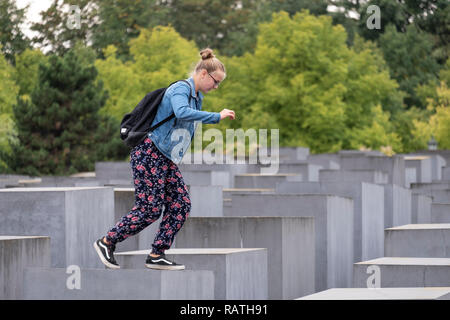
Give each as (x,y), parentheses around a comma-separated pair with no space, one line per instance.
(72,217)
(369,211)
(435,185)
(65,181)
(206,201)
(232,170)
(328,161)
(290,242)
(418,240)
(421,208)
(228,193)
(360,153)
(123,202)
(207,178)
(256,180)
(410,177)
(439,196)
(369,176)
(394,166)
(397,206)
(333,227)
(446,173)
(405,272)
(293,153)
(118,170)
(445,154)
(437,162)
(440,213)
(240,274)
(106,284)
(422,165)
(439,293)
(308,172)
(17,253)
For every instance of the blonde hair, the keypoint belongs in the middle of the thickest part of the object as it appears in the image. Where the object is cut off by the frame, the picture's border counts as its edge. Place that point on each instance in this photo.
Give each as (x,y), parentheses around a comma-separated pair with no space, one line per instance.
(209,62)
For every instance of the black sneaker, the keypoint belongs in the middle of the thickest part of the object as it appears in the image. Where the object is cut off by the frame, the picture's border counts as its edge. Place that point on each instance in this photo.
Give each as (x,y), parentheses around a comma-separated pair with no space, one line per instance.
(162,263)
(106,254)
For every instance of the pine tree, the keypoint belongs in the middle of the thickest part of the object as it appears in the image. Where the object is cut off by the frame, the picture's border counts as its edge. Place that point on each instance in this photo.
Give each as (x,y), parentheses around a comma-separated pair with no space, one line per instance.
(59,128)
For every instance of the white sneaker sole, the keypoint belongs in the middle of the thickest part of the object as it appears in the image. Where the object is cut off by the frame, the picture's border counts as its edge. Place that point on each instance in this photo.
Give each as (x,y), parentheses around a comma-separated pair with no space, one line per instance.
(159,267)
(102,258)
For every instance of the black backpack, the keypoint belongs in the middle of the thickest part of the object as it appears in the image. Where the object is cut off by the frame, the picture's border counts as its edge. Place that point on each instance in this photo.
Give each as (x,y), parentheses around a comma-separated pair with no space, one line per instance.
(135,126)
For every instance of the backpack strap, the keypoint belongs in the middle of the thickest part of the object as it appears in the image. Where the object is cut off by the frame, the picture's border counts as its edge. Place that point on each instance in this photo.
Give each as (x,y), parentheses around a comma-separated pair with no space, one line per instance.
(173,114)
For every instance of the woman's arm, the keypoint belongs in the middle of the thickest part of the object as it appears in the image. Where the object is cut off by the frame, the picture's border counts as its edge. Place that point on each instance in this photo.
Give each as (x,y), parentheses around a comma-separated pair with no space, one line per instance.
(182,110)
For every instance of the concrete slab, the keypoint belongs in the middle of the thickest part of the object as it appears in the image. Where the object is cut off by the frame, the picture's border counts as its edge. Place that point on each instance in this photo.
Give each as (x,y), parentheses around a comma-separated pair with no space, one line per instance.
(369,211)
(17,253)
(290,242)
(240,274)
(394,166)
(429,293)
(439,196)
(418,240)
(256,180)
(440,213)
(422,165)
(333,227)
(328,161)
(293,153)
(437,162)
(72,217)
(435,185)
(405,272)
(446,173)
(118,170)
(207,178)
(308,171)
(445,154)
(369,176)
(397,205)
(106,284)
(421,208)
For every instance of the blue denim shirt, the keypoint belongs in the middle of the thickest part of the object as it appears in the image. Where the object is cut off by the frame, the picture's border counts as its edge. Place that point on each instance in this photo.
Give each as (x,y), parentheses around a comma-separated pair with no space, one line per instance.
(174,137)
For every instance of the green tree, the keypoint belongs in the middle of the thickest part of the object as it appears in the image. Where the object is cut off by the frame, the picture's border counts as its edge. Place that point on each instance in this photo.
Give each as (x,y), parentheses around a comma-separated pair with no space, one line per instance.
(12,39)
(27,65)
(122,21)
(409,56)
(58,128)
(159,57)
(304,80)
(8,93)
(56,32)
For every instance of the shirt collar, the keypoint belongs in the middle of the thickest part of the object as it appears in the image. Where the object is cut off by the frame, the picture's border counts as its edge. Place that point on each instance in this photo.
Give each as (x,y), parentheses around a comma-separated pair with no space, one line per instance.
(200,95)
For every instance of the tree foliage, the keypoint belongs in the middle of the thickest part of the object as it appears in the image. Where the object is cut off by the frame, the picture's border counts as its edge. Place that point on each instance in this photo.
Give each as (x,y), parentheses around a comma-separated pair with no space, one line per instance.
(59,129)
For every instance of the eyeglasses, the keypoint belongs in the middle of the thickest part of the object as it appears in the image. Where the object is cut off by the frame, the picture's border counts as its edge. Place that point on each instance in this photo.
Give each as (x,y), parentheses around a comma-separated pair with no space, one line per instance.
(215,81)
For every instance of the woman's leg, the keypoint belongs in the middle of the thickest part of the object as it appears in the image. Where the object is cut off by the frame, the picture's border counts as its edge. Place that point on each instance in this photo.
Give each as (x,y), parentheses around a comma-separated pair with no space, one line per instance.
(177,210)
(148,175)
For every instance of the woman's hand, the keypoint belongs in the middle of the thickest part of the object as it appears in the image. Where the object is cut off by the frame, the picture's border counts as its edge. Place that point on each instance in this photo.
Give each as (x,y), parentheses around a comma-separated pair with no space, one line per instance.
(227,113)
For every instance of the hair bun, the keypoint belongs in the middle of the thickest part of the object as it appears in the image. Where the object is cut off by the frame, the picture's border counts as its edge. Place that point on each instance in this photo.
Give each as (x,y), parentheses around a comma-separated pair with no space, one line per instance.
(207,54)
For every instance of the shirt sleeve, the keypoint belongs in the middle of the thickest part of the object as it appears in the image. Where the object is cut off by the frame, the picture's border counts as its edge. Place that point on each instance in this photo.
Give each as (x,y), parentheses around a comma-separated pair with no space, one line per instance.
(180,104)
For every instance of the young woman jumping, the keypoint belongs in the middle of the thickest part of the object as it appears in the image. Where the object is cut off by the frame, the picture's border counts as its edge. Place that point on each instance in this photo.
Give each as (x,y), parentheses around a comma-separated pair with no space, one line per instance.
(157,179)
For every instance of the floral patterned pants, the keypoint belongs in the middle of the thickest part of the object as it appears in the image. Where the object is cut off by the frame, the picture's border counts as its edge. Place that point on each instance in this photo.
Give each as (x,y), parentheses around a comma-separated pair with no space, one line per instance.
(158,182)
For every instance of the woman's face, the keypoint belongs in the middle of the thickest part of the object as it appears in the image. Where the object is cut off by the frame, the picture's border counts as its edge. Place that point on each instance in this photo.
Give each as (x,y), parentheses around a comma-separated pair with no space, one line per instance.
(210,81)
